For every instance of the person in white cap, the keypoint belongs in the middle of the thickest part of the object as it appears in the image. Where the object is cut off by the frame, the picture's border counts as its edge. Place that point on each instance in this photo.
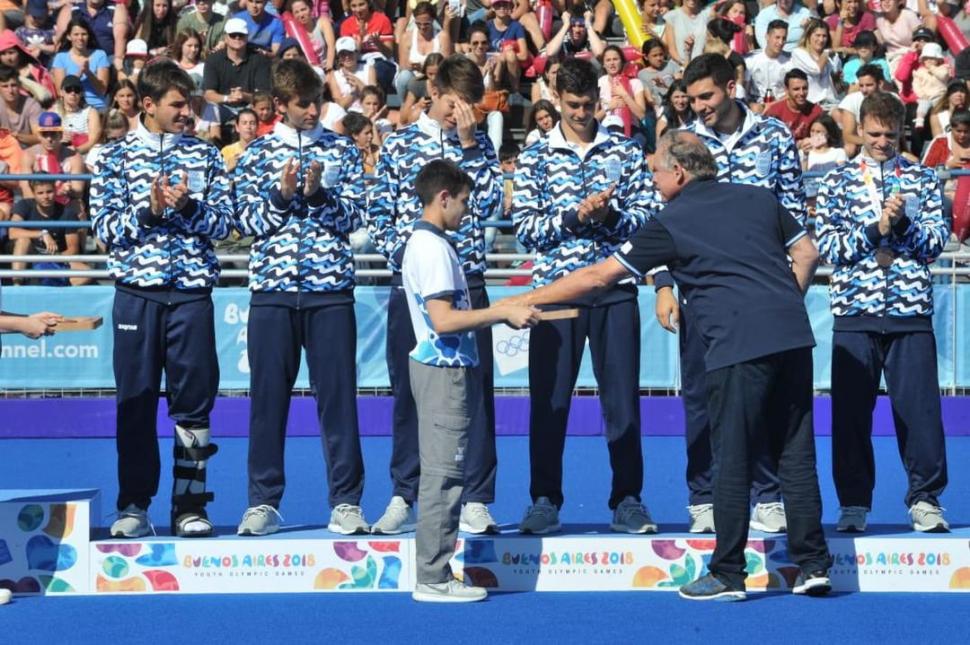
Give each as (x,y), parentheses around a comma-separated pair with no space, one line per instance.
(929,80)
(235,73)
(350,75)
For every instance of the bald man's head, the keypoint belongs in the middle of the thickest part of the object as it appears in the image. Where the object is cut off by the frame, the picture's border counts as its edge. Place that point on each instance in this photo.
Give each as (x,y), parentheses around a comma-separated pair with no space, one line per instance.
(681,158)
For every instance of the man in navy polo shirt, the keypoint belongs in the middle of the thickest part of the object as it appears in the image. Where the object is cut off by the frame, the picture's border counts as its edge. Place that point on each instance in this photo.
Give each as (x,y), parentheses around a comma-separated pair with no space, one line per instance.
(727,246)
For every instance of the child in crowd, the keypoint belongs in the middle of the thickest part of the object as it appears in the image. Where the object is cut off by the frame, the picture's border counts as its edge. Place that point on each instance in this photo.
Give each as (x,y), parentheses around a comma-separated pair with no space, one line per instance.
(115,127)
(507,156)
(929,80)
(136,55)
(35,32)
(361,130)
(373,105)
(543,119)
(266,115)
(826,150)
(247,125)
(659,73)
(446,387)
(868,50)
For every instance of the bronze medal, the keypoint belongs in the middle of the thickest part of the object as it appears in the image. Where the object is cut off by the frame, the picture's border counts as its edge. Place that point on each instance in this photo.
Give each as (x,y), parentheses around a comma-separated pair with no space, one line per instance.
(885,257)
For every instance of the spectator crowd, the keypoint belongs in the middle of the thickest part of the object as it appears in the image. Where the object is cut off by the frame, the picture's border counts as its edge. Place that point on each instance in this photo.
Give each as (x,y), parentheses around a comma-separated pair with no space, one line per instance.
(69,70)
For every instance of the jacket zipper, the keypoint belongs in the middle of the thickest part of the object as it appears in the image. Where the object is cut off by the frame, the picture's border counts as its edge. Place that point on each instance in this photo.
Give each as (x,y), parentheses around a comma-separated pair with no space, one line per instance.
(302,205)
(885,270)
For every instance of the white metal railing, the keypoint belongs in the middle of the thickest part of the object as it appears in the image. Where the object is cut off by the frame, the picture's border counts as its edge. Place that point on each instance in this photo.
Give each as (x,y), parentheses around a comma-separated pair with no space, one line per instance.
(953,271)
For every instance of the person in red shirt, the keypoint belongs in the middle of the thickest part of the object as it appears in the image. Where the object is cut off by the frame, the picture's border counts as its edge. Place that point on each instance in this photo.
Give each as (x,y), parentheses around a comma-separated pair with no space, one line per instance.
(796,111)
(375,40)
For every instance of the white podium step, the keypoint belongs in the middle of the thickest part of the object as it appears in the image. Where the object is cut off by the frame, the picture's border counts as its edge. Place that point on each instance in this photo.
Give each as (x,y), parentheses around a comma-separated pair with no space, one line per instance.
(46,547)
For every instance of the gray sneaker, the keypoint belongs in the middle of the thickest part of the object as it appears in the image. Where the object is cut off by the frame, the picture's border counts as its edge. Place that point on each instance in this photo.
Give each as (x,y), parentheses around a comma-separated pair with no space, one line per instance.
(928,518)
(769,517)
(260,520)
(541,518)
(632,517)
(397,518)
(701,518)
(475,518)
(132,522)
(852,519)
(451,591)
(348,519)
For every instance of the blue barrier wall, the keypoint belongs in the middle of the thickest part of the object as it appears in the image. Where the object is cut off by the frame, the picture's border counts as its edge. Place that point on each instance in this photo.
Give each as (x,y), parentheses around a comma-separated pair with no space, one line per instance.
(83,359)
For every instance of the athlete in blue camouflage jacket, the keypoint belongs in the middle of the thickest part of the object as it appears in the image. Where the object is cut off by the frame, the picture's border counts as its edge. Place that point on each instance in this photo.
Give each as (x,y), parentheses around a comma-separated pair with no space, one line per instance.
(300,244)
(748,149)
(552,179)
(580,194)
(159,198)
(446,131)
(879,220)
(394,205)
(298,191)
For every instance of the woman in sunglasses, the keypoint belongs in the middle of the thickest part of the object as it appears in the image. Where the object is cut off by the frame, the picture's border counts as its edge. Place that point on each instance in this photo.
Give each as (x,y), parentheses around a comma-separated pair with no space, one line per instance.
(82,123)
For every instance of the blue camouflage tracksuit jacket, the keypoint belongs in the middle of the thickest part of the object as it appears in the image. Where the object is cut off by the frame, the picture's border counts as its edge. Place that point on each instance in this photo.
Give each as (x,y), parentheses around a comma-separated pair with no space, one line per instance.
(302,245)
(175,249)
(553,176)
(394,205)
(848,237)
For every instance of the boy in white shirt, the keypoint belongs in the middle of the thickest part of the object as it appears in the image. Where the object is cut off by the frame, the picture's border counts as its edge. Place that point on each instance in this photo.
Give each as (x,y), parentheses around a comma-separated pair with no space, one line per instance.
(447,390)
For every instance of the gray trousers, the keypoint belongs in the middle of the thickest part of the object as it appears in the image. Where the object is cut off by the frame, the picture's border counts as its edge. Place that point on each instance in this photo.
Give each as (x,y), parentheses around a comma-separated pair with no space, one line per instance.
(447,399)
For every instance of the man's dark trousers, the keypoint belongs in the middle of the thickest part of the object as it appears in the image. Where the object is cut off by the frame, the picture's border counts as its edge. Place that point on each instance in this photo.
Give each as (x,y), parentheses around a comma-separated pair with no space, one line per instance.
(908,360)
(277,336)
(765,402)
(480,459)
(155,331)
(700,461)
(555,353)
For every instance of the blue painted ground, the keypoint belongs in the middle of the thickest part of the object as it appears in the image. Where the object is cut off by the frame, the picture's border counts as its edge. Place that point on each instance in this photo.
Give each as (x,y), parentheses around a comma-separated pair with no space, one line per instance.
(535,617)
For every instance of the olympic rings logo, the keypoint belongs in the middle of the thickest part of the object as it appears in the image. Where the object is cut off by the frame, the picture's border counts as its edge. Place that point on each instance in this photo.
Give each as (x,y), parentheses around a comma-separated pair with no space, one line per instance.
(514,345)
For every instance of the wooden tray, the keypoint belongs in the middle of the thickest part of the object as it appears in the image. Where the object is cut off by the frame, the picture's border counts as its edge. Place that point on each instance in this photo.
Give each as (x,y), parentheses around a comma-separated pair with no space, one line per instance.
(559,314)
(79,323)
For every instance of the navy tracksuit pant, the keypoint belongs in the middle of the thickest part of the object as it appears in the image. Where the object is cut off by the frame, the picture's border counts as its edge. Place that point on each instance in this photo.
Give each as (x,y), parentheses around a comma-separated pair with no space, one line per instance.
(555,352)
(480,459)
(156,331)
(276,335)
(700,461)
(762,405)
(908,360)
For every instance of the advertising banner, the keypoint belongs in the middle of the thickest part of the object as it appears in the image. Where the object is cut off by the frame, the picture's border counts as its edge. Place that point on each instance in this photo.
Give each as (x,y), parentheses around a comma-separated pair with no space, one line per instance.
(83,360)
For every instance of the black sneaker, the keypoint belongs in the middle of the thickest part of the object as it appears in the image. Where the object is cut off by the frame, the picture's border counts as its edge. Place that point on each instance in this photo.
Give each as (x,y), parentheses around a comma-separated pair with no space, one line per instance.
(710,588)
(816,583)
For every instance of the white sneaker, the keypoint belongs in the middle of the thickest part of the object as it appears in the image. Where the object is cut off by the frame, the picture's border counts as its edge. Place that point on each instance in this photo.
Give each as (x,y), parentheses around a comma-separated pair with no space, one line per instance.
(398,517)
(348,519)
(132,522)
(769,517)
(701,518)
(541,518)
(260,520)
(451,591)
(928,518)
(475,518)
(852,519)
(632,517)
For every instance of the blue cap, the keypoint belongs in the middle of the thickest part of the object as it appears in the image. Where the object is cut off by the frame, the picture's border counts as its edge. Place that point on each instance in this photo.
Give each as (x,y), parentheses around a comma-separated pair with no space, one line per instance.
(49,121)
(37,8)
